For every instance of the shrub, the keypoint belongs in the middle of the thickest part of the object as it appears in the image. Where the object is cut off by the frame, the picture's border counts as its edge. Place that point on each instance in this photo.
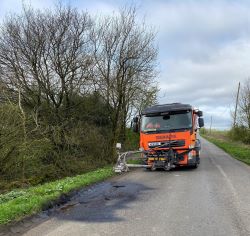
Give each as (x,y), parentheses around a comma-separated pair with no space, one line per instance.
(240,133)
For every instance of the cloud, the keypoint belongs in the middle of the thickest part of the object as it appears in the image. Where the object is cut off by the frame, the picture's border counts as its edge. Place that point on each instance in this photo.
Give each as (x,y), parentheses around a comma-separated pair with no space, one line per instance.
(15,6)
(192,28)
(204,53)
(7,6)
(99,7)
(203,19)
(211,84)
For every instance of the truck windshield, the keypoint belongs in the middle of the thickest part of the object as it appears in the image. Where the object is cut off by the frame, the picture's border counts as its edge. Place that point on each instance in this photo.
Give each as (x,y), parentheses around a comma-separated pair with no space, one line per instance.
(166,122)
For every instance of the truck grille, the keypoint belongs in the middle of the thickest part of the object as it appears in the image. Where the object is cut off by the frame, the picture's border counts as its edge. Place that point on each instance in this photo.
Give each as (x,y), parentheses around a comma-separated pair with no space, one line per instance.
(174,143)
(167,144)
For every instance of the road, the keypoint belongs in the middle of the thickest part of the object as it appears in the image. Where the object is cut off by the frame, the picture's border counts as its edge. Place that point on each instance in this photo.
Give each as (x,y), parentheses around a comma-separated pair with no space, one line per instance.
(211,200)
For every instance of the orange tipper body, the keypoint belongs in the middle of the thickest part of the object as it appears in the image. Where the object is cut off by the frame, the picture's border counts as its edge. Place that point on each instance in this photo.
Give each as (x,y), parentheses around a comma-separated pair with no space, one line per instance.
(168,135)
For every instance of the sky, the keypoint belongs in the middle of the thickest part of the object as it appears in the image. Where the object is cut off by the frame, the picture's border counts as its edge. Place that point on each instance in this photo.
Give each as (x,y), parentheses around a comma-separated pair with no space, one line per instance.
(204,47)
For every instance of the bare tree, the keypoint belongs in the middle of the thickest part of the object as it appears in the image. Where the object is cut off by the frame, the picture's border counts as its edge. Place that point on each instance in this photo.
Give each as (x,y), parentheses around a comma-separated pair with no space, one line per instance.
(145,98)
(52,57)
(125,57)
(47,55)
(244,105)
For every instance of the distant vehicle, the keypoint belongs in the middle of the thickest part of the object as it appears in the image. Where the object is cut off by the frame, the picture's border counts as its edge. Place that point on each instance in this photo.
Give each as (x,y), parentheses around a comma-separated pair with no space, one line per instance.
(168,137)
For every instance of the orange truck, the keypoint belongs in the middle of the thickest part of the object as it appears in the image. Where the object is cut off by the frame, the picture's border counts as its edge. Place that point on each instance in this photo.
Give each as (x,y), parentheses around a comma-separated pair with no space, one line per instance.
(168,137)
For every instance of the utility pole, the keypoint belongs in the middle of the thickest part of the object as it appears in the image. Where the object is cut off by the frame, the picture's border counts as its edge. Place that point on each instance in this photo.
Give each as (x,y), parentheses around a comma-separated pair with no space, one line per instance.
(236,105)
(211,122)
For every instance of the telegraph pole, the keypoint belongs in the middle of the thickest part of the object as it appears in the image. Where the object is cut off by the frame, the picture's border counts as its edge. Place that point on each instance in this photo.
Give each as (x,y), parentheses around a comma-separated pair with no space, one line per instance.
(236,105)
(211,122)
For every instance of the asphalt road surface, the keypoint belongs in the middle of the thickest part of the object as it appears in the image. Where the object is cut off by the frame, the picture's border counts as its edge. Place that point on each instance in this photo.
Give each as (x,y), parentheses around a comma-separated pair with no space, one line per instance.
(211,200)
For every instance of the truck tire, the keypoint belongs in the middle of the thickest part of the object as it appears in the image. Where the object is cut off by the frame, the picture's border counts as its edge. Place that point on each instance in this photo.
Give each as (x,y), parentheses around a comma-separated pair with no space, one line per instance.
(195,166)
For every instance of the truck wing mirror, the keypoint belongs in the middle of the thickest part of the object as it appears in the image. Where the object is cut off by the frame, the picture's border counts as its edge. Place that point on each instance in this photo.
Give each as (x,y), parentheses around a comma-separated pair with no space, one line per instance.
(135,124)
(201,122)
(135,119)
(199,113)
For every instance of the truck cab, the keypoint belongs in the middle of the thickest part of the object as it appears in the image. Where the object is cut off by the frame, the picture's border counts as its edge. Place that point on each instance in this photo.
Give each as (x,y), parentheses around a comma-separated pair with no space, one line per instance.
(168,135)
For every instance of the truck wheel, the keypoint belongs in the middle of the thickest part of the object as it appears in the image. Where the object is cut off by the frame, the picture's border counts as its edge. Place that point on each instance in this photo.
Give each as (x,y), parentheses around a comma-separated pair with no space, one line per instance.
(195,166)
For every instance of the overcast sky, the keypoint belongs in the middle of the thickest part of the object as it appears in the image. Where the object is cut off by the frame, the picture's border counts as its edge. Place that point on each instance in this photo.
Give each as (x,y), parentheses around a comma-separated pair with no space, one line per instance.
(204,47)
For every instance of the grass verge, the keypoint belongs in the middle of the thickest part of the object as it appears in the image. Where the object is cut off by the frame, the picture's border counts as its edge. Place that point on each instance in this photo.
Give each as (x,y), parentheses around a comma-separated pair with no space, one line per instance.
(237,150)
(135,162)
(18,204)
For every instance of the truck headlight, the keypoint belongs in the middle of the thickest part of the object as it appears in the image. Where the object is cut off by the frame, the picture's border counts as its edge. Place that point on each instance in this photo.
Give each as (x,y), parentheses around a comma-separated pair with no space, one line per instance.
(191,154)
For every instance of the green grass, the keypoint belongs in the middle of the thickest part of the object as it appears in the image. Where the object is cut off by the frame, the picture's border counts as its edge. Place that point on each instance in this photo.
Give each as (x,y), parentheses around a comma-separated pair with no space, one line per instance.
(237,150)
(18,204)
(135,162)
